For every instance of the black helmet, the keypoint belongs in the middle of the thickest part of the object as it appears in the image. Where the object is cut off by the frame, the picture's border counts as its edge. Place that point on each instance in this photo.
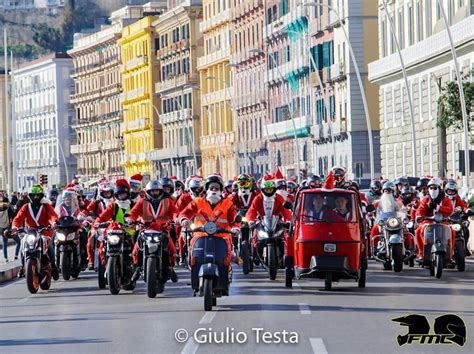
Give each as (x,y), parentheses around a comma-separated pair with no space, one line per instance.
(179,185)
(167,182)
(314,181)
(406,190)
(121,187)
(401,180)
(422,182)
(228,183)
(215,178)
(451,187)
(280,184)
(376,184)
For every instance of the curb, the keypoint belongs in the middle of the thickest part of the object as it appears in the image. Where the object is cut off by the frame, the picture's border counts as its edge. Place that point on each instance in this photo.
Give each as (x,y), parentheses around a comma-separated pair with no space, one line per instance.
(9,274)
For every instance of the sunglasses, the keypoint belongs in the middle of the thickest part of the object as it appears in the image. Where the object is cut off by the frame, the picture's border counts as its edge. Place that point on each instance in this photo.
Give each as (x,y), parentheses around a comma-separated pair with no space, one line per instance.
(214,188)
(433,187)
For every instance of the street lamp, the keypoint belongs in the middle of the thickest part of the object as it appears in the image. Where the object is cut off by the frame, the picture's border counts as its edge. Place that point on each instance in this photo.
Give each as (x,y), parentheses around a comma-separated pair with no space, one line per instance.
(359,79)
(290,108)
(407,86)
(461,97)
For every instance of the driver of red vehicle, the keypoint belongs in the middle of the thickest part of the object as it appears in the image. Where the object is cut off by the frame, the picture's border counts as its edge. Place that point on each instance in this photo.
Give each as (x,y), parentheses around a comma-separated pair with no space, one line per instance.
(436,202)
(212,208)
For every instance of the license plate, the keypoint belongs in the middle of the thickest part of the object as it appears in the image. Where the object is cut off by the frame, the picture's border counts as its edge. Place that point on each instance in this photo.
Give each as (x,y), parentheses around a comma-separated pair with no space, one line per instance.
(329,247)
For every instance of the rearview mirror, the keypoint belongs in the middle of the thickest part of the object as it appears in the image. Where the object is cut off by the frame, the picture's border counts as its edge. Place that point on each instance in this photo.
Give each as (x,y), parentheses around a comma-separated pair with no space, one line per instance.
(370,208)
(238,218)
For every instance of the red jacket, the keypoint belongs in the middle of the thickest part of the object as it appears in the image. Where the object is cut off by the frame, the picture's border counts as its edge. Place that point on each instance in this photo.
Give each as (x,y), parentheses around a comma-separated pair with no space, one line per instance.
(458,202)
(238,201)
(183,201)
(108,214)
(138,209)
(200,204)
(445,207)
(46,216)
(95,208)
(257,209)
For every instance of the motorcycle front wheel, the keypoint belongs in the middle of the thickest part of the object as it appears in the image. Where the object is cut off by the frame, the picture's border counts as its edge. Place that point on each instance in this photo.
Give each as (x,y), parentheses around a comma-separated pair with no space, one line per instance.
(151,277)
(397,257)
(113,276)
(101,275)
(244,254)
(460,252)
(438,265)
(65,262)
(31,274)
(207,290)
(272,262)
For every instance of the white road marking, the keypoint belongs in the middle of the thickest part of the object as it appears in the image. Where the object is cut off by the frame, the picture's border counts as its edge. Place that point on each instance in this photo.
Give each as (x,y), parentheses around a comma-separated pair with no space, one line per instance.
(297,286)
(24,300)
(304,309)
(191,347)
(208,317)
(318,346)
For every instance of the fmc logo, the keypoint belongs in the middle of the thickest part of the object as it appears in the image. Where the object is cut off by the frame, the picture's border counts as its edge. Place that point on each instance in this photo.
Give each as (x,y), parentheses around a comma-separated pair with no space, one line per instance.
(448,329)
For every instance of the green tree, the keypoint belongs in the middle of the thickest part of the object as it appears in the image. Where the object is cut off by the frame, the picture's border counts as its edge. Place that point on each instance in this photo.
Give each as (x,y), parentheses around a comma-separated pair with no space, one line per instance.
(450,114)
(48,38)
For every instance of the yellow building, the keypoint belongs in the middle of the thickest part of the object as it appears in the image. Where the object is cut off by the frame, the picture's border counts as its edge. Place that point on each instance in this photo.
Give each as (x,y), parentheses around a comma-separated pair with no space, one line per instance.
(218,140)
(142,132)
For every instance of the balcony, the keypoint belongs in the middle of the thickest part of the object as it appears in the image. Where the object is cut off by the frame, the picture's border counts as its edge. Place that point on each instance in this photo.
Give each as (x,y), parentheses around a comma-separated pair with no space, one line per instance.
(132,64)
(250,99)
(112,144)
(130,95)
(218,140)
(338,71)
(169,153)
(245,7)
(214,21)
(214,57)
(215,96)
(137,124)
(285,130)
(176,82)
(176,116)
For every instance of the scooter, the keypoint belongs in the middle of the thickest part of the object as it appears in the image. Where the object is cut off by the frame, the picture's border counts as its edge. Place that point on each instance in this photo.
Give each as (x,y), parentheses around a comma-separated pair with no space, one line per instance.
(210,266)
(460,224)
(68,247)
(437,244)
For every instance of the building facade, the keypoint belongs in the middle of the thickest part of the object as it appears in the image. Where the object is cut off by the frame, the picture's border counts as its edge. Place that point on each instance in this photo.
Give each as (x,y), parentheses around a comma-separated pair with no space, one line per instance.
(42,119)
(98,85)
(179,45)
(339,131)
(424,43)
(142,132)
(249,99)
(218,139)
(4,112)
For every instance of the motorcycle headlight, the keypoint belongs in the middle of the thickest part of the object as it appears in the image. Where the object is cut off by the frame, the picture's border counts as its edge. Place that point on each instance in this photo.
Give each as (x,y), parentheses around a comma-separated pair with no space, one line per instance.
(456,227)
(113,240)
(61,237)
(31,240)
(262,234)
(244,219)
(149,238)
(156,238)
(393,222)
(71,236)
(410,224)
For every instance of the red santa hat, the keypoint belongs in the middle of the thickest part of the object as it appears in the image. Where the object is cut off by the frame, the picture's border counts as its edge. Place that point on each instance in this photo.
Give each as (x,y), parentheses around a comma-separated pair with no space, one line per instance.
(173,178)
(268,177)
(122,183)
(136,178)
(278,174)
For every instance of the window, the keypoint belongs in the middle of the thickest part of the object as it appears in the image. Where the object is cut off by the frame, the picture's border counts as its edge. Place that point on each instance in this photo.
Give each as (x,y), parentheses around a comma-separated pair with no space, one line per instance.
(419,20)
(427,18)
(410,25)
(383,39)
(400,28)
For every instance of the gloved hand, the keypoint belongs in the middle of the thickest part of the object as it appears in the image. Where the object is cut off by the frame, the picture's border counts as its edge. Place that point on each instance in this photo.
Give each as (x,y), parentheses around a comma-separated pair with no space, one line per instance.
(185,223)
(433,205)
(251,224)
(235,231)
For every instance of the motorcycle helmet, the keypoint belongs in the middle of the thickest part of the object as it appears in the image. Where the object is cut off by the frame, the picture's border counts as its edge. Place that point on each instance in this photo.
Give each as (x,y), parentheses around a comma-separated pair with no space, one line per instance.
(53,195)
(135,182)
(451,188)
(168,185)
(106,191)
(244,184)
(400,182)
(376,186)
(388,186)
(228,186)
(281,184)
(339,174)
(214,178)
(122,190)
(314,181)
(434,187)
(36,194)
(407,194)
(422,183)
(195,186)
(291,186)
(153,190)
(178,185)
(268,188)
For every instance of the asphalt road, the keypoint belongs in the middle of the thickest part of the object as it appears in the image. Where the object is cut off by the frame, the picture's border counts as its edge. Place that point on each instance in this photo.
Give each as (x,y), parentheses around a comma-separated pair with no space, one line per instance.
(77,317)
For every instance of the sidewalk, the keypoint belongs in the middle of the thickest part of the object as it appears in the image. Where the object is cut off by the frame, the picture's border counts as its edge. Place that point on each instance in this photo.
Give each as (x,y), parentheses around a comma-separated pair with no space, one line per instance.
(9,271)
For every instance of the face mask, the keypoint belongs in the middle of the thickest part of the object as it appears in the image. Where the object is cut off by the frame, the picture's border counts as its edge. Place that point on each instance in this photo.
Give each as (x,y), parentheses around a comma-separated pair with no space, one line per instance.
(242,192)
(434,193)
(176,194)
(124,204)
(213,197)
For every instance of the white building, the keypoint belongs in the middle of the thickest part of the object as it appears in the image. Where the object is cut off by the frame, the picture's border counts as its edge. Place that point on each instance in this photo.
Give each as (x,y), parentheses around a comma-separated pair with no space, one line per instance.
(30,4)
(42,116)
(425,48)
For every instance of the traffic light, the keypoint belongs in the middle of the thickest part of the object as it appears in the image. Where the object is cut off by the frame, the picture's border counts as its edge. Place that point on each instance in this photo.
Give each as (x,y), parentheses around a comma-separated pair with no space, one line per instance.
(43,179)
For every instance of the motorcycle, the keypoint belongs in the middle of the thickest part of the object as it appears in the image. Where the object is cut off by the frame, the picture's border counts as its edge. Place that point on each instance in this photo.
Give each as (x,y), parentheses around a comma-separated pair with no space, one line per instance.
(210,268)
(437,244)
(244,245)
(390,244)
(119,270)
(154,245)
(460,224)
(68,247)
(270,244)
(35,258)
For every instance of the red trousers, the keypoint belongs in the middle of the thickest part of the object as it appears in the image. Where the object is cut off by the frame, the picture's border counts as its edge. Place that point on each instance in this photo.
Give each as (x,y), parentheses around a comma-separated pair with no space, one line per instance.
(90,245)
(171,251)
(376,231)
(419,239)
